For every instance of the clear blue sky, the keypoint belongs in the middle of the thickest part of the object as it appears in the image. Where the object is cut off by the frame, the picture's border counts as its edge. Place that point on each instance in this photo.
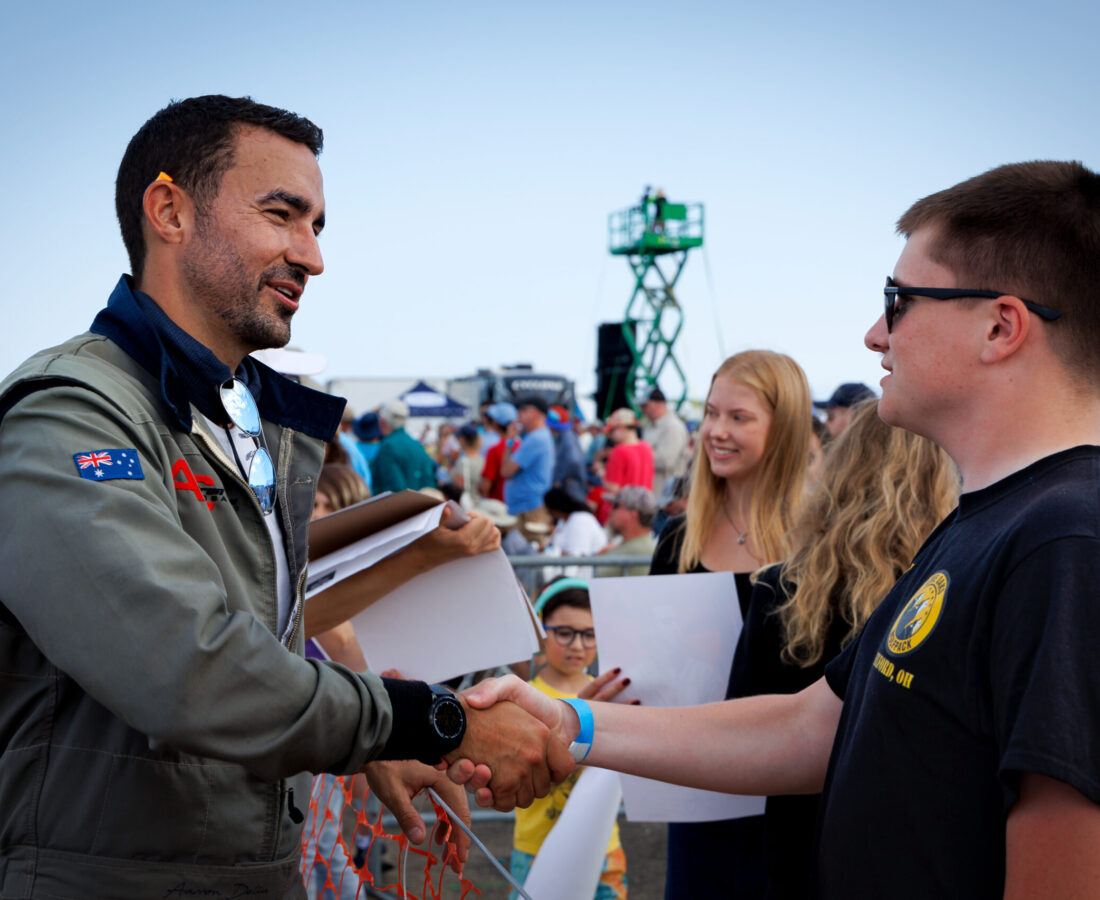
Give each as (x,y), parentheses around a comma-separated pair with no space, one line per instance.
(473,152)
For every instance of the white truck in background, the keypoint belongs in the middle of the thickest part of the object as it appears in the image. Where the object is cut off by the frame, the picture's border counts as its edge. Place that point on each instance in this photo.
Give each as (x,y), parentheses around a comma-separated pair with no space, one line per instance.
(507,383)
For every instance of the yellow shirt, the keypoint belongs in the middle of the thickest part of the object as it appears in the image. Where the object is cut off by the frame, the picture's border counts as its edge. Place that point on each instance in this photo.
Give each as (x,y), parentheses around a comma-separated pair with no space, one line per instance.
(535,822)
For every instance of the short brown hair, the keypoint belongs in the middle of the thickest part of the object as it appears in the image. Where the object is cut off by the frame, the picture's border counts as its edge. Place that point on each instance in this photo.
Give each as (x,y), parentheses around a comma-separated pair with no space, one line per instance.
(193,141)
(1032,229)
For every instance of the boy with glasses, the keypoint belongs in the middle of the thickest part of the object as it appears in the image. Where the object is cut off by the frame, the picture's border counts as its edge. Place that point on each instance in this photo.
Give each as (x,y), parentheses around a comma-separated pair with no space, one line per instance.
(955,737)
(570,648)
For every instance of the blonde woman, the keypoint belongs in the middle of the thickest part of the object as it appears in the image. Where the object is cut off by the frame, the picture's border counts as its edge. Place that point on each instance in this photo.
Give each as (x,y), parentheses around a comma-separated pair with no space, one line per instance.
(882,492)
(747,485)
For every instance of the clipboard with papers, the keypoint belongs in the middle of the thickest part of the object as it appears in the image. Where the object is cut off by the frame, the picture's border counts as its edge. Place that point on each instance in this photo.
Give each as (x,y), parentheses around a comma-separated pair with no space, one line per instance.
(464,615)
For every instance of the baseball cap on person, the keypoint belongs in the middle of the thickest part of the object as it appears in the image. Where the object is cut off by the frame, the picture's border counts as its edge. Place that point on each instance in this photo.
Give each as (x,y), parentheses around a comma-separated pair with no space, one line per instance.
(635,496)
(674,489)
(496,512)
(848,394)
(558,419)
(396,412)
(622,417)
(535,400)
(366,427)
(504,414)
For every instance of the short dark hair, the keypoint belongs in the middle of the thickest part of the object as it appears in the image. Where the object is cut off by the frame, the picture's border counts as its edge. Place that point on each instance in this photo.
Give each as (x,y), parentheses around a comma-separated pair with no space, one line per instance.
(560,500)
(1032,229)
(193,141)
(536,400)
(468,435)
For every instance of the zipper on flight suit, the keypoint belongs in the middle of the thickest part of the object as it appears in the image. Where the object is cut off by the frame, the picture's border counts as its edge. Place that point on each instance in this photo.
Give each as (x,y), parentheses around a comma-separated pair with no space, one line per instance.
(286,442)
(280,789)
(215,449)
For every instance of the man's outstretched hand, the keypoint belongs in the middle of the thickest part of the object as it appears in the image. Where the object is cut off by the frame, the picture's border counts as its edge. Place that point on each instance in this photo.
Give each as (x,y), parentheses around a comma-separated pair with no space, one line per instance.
(508,753)
(395,783)
(507,772)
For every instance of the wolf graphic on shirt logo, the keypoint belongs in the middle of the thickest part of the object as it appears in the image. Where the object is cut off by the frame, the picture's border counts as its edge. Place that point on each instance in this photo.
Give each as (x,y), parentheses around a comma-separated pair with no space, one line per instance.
(918,618)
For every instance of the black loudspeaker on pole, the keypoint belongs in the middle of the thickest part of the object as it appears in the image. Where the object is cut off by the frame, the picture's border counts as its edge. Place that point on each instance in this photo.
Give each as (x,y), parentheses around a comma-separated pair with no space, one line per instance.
(613,367)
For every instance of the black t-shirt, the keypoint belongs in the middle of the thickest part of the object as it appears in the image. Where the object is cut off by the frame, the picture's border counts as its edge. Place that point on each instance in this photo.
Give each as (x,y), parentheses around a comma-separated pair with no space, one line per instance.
(759,668)
(980,665)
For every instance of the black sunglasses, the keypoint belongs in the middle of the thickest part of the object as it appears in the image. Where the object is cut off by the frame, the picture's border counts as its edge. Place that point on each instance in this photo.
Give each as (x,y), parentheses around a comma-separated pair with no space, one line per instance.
(241,408)
(893,290)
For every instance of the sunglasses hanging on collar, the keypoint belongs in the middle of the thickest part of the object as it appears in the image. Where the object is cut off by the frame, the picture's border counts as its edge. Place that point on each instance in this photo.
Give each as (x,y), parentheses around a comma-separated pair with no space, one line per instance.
(241,408)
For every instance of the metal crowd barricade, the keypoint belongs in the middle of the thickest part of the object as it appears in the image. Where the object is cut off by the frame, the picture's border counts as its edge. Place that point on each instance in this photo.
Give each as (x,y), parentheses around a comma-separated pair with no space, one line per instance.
(536,569)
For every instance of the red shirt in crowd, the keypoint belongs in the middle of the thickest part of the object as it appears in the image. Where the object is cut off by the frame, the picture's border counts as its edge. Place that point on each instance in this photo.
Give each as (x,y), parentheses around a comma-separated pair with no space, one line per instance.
(630,464)
(494,456)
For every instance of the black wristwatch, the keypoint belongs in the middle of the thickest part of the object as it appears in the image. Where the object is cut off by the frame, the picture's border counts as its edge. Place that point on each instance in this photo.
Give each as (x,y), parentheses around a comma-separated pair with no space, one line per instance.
(446,721)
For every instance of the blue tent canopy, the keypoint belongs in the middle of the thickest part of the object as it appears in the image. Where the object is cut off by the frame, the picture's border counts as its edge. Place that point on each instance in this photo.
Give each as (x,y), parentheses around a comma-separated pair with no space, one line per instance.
(424,400)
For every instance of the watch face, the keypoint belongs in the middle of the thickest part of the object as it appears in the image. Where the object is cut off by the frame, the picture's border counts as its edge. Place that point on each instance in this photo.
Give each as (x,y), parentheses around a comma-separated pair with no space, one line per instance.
(448,718)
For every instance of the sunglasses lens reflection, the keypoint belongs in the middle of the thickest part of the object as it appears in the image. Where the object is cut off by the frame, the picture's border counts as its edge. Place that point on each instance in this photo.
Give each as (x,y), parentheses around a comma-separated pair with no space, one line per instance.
(261,478)
(241,406)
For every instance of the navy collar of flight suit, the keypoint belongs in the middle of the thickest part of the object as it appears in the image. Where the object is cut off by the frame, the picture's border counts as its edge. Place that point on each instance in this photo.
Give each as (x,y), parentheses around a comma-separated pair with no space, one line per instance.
(189,372)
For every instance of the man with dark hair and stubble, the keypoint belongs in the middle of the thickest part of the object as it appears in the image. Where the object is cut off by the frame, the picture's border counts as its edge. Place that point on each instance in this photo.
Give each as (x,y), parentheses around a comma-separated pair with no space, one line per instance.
(955,738)
(158,722)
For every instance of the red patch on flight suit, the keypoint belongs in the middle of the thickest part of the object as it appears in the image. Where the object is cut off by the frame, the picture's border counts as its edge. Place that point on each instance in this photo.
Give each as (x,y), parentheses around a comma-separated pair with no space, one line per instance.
(190,481)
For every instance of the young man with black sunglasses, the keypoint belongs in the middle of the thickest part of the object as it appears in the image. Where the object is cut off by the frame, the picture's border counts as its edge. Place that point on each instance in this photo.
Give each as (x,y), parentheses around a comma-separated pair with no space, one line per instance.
(956,737)
(158,722)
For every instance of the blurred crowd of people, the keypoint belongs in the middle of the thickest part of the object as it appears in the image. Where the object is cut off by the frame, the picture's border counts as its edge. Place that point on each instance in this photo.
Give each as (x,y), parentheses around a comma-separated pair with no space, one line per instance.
(562,485)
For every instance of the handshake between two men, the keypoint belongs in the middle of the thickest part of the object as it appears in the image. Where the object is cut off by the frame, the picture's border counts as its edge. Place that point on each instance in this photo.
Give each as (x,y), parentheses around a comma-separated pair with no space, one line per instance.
(515,748)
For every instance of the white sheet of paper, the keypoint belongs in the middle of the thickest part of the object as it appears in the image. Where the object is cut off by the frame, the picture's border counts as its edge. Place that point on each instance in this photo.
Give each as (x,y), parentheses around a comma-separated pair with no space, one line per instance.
(355,557)
(570,860)
(462,616)
(674,636)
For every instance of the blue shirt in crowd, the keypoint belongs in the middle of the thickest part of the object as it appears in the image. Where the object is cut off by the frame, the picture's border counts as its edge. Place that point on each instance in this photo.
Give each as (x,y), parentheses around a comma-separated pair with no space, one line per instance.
(535,457)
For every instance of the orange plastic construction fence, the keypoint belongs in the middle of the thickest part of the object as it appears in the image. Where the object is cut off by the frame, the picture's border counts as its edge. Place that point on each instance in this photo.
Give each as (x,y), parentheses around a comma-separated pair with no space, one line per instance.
(328,869)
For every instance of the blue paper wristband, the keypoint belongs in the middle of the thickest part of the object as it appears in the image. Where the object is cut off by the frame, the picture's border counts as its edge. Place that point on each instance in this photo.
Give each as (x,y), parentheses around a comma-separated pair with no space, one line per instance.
(583,742)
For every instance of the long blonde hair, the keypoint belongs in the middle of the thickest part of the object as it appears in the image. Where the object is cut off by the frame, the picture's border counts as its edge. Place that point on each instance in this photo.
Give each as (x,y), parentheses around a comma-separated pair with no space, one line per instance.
(780,384)
(882,492)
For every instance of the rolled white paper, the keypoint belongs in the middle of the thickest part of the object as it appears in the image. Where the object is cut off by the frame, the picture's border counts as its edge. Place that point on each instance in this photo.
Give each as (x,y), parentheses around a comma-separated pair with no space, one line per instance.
(571,858)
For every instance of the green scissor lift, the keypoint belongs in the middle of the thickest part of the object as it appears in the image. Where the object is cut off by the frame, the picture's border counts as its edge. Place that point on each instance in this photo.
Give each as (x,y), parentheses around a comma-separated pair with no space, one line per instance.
(655,236)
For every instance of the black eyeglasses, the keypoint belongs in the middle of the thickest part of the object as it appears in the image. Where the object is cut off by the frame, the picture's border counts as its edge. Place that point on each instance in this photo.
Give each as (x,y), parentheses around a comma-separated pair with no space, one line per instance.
(241,408)
(893,290)
(564,635)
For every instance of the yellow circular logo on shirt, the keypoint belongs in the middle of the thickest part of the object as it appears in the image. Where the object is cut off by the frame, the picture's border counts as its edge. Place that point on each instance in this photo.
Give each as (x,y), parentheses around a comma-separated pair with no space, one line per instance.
(919,616)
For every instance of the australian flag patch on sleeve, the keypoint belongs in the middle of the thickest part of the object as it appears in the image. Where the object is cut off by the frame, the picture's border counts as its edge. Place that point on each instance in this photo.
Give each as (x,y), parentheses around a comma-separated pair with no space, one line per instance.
(105,465)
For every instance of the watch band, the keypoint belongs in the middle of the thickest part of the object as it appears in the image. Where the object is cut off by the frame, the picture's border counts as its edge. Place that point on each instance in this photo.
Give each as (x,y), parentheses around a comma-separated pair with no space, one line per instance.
(583,743)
